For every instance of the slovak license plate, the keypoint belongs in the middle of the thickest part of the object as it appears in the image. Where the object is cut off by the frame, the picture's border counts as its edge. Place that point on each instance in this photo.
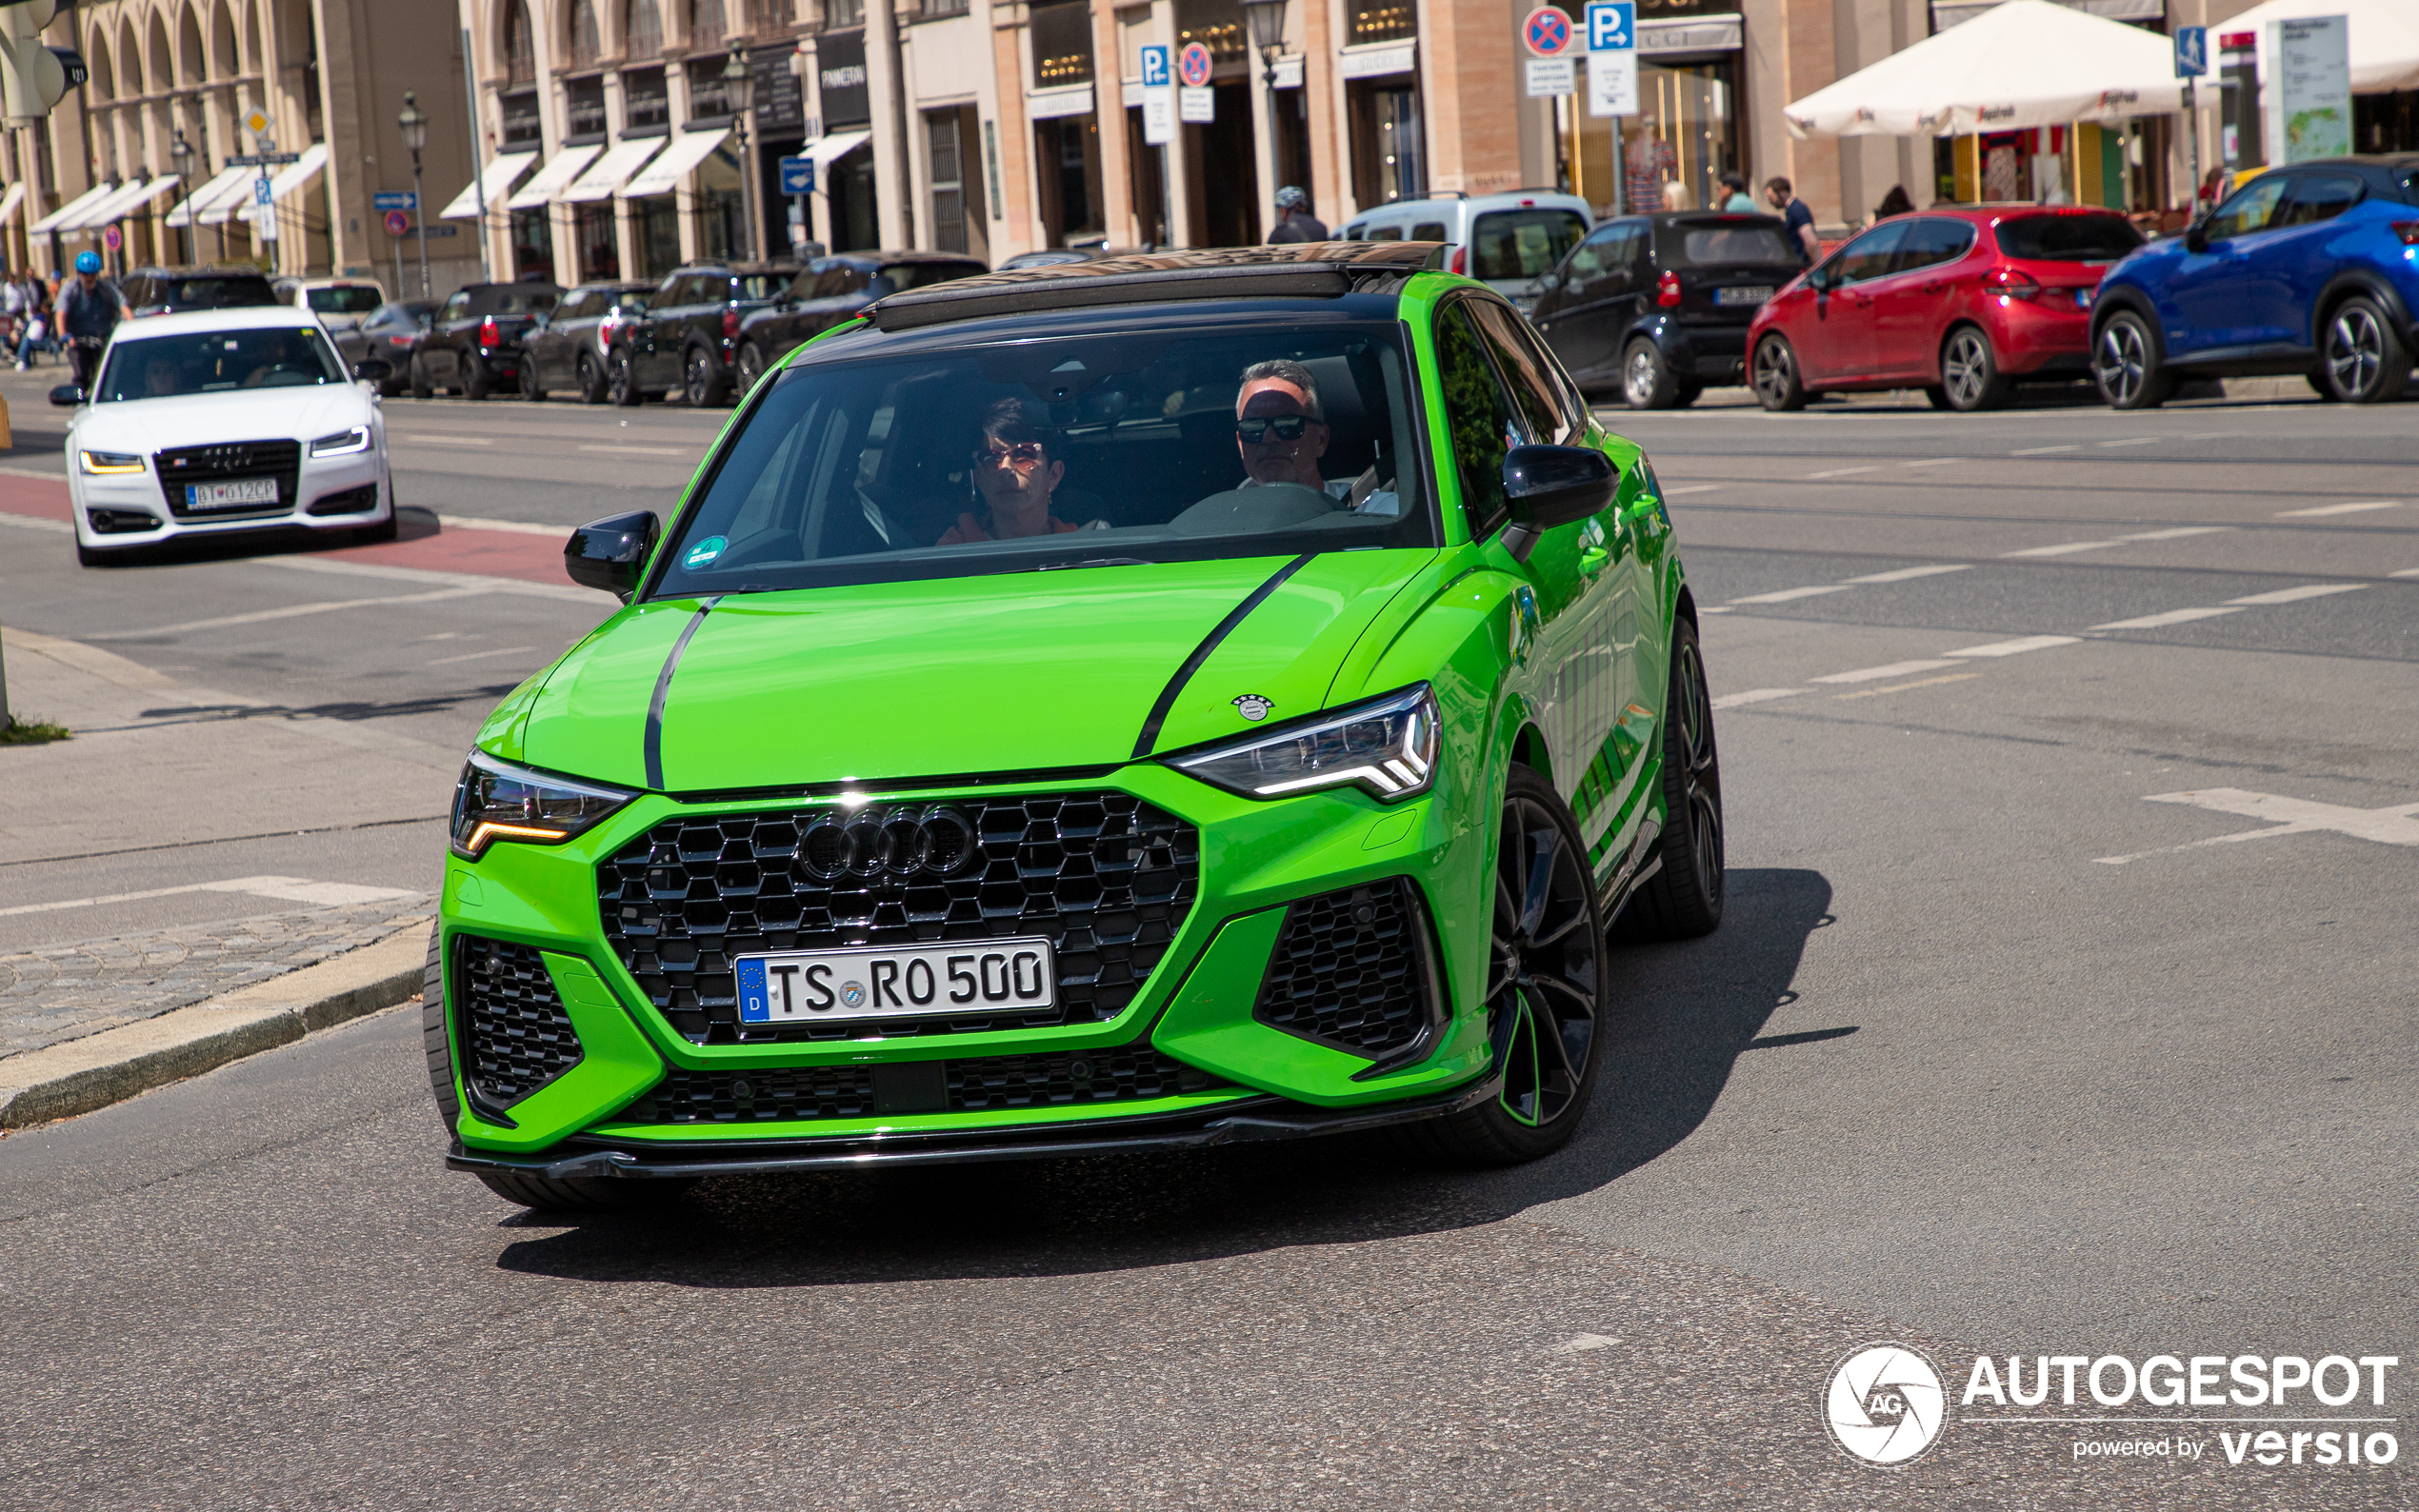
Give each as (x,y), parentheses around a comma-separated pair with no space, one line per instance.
(1756,295)
(242,493)
(888,982)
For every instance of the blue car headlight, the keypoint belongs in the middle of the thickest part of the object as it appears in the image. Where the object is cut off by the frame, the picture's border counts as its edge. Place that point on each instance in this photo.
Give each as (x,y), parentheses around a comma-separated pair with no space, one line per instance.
(1387,748)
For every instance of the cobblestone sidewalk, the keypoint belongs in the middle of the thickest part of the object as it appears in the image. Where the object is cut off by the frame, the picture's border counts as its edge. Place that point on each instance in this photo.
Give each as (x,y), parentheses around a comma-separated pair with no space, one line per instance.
(67,991)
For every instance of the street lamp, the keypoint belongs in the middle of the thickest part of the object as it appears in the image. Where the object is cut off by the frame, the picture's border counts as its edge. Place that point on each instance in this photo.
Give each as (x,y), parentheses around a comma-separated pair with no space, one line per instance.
(180,152)
(1265,20)
(413,124)
(738,94)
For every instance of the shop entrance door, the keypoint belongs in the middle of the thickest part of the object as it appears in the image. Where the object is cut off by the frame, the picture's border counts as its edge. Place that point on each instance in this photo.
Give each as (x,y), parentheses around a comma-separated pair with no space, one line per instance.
(1226,203)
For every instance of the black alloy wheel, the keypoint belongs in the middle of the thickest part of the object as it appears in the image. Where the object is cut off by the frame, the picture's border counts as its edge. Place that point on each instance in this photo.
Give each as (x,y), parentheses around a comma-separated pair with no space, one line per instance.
(421,386)
(621,384)
(2365,361)
(751,363)
(532,387)
(1683,897)
(2126,365)
(592,380)
(703,382)
(477,383)
(1647,380)
(1545,993)
(1970,372)
(1772,373)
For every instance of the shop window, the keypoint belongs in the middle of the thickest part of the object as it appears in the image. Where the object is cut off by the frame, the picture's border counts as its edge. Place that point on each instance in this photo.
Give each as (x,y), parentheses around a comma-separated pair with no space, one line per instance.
(721,231)
(646,102)
(1383,20)
(1692,113)
(706,98)
(1068,151)
(600,255)
(658,228)
(586,102)
(942,138)
(1062,43)
(1146,169)
(519,115)
(934,9)
(1216,24)
(1389,144)
(840,13)
(532,245)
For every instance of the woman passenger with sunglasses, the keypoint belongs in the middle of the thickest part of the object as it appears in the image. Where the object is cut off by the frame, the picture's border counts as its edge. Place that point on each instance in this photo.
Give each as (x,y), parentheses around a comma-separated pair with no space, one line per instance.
(1015,474)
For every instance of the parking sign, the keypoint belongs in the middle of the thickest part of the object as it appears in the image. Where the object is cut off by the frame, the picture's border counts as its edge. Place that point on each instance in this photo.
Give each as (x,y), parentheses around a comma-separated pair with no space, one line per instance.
(1158,97)
(1612,26)
(1155,73)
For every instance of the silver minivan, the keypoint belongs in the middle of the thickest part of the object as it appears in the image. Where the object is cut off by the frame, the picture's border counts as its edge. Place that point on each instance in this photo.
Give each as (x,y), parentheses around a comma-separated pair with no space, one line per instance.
(1506,240)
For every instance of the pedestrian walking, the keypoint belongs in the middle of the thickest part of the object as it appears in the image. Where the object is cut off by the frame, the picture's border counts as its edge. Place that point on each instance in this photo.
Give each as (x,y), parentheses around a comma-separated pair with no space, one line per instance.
(88,310)
(1797,222)
(1736,199)
(1294,221)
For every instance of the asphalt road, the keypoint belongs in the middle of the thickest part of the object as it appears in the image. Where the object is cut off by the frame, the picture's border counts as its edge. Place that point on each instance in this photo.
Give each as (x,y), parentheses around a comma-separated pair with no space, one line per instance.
(2064,1007)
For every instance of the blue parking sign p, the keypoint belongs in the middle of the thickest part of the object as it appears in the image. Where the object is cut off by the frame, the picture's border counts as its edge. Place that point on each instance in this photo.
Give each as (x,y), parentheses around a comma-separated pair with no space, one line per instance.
(1154,67)
(1612,26)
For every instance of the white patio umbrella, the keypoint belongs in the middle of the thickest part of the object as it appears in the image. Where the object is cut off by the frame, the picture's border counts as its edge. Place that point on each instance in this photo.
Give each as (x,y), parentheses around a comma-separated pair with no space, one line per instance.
(2020,64)
(2385,37)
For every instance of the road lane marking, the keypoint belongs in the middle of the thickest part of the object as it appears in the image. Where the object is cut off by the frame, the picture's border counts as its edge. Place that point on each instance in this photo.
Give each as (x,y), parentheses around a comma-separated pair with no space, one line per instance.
(2137,441)
(1875,674)
(1909,574)
(2393,824)
(2178,534)
(465,522)
(2338,509)
(289,612)
(288,889)
(2064,549)
(1755,695)
(2405,572)
(2153,622)
(1843,473)
(1785,595)
(37,522)
(1900,688)
(2308,590)
(1693,488)
(476,655)
(1934,462)
(2017,647)
(407,437)
(644,452)
(2043,452)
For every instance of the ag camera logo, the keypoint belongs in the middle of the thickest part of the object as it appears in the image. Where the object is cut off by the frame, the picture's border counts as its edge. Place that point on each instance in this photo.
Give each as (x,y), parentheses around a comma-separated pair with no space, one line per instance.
(1886,1404)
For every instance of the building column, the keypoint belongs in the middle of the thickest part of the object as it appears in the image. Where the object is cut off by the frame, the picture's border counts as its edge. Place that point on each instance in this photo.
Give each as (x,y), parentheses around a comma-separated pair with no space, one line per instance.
(1012,135)
(1330,179)
(1177,167)
(1108,115)
(894,216)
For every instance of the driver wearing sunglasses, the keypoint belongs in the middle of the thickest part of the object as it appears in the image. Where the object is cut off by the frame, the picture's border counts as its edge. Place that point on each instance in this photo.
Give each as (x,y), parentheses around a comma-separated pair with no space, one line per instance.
(1014,475)
(1281,433)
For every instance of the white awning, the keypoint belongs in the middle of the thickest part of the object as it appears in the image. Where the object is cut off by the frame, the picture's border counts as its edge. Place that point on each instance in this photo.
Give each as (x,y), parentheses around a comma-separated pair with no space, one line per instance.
(127,201)
(10,202)
(552,179)
(2384,37)
(498,176)
(289,178)
(231,195)
(103,210)
(2022,63)
(71,208)
(186,209)
(826,150)
(610,172)
(663,175)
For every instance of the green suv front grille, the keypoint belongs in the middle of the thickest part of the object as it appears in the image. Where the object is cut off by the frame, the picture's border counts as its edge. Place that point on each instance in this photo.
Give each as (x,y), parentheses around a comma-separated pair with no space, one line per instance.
(515,1036)
(1352,971)
(1126,1073)
(1106,878)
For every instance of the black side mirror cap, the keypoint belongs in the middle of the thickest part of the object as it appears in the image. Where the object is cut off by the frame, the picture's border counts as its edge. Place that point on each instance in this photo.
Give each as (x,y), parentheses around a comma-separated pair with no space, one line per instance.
(370,369)
(611,554)
(66,395)
(1553,485)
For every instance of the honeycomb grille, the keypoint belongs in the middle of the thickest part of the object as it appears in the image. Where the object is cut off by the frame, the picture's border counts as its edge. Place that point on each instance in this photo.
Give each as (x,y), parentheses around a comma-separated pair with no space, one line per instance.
(1351,971)
(515,1036)
(1106,878)
(1127,1073)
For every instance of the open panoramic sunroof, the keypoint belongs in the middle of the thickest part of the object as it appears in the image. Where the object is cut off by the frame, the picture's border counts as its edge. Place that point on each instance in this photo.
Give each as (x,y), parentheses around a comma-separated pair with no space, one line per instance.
(1311,270)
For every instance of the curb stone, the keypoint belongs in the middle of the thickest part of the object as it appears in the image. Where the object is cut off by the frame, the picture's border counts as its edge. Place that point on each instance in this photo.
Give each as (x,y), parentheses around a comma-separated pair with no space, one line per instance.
(78,1076)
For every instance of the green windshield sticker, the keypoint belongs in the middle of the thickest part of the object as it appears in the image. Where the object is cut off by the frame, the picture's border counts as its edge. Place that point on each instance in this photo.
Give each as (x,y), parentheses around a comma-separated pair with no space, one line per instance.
(704,551)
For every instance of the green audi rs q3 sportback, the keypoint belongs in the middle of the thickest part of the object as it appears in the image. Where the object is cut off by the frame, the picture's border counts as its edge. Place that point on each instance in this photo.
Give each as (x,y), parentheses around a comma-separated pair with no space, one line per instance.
(1151,703)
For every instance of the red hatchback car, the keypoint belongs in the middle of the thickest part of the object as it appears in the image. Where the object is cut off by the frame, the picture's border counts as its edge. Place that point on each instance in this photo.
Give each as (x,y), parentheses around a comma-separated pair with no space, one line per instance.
(1963,303)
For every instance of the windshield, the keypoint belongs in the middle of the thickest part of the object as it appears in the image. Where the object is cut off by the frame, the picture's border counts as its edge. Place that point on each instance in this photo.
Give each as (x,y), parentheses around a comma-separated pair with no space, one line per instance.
(1107,448)
(358,299)
(1520,243)
(2069,238)
(209,361)
(897,278)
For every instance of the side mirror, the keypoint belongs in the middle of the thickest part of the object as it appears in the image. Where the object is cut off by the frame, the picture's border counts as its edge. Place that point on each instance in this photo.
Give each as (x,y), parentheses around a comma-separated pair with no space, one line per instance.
(370,370)
(66,395)
(2196,236)
(1553,485)
(612,554)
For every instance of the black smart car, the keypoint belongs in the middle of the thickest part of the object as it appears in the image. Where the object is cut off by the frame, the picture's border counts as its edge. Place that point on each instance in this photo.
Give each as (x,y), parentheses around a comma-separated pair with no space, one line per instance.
(833,290)
(1660,304)
(474,342)
(176,290)
(688,337)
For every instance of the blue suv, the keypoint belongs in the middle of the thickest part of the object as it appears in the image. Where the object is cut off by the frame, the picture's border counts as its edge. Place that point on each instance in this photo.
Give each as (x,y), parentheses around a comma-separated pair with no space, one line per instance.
(2311,269)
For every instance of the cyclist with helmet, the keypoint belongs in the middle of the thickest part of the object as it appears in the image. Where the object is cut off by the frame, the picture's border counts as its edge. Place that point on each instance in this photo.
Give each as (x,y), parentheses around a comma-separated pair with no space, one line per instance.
(1294,221)
(88,310)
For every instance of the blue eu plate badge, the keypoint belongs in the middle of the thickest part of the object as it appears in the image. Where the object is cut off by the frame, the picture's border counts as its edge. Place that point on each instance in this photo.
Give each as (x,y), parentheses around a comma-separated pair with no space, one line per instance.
(752,992)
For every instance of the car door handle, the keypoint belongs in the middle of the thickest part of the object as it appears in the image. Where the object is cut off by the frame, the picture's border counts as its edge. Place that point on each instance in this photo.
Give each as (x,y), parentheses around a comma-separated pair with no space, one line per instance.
(1935,287)
(1863,301)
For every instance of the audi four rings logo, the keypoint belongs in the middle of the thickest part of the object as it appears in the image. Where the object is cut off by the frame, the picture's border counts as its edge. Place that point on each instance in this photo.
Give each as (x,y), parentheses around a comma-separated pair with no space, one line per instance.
(899,843)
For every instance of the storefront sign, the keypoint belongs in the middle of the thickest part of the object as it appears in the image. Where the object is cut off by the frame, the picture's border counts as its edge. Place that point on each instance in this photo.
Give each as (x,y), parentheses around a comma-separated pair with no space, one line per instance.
(1048,105)
(840,71)
(1552,76)
(1376,63)
(2308,98)
(780,94)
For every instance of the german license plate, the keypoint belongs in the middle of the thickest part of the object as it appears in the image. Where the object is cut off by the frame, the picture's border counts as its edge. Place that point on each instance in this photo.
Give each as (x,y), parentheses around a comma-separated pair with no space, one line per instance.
(1743,296)
(889,981)
(240,494)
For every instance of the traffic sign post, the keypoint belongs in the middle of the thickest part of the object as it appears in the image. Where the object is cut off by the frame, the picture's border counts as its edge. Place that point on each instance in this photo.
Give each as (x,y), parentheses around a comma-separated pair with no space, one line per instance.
(2192,61)
(264,209)
(394,200)
(797,181)
(1612,74)
(1550,72)
(1158,91)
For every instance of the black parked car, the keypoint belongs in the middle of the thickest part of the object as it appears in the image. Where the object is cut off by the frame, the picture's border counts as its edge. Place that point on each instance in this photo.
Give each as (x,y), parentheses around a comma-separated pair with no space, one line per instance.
(175,290)
(568,347)
(1660,304)
(687,338)
(474,343)
(390,333)
(833,290)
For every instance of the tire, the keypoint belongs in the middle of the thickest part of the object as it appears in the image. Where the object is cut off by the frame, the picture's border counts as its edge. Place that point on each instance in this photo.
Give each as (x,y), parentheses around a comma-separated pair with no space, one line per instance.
(2126,364)
(2367,362)
(1970,374)
(703,382)
(371,534)
(1683,897)
(1772,373)
(435,1042)
(1936,396)
(532,387)
(1646,381)
(621,384)
(751,363)
(421,386)
(1538,1018)
(480,383)
(1688,394)
(592,381)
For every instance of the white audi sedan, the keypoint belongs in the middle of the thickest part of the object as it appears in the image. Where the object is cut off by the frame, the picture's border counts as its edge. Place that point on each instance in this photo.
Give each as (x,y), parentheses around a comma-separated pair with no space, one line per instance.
(219,421)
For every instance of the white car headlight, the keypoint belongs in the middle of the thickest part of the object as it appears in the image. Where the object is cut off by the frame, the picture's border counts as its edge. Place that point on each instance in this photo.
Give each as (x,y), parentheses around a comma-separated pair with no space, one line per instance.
(109,462)
(344,443)
(1385,747)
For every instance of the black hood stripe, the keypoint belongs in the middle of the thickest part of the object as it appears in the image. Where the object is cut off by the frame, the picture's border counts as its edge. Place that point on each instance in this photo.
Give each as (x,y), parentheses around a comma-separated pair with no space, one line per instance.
(1201,654)
(655,744)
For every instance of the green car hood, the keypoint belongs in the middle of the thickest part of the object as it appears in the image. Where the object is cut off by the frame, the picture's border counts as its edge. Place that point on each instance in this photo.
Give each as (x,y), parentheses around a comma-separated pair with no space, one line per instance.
(1011,672)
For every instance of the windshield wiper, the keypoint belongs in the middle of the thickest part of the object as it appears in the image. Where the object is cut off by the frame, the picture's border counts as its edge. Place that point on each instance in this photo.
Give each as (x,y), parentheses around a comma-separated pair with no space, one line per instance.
(1095,561)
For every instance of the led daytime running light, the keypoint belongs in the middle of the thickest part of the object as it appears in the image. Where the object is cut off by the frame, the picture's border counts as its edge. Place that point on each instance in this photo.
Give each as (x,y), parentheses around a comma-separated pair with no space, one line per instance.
(1385,748)
(112,462)
(497,801)
(342,443)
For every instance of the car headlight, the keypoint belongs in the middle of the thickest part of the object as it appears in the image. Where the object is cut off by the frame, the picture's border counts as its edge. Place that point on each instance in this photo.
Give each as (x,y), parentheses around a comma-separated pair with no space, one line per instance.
(1387,748)
(344,443)
(499,801)
(108,462)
